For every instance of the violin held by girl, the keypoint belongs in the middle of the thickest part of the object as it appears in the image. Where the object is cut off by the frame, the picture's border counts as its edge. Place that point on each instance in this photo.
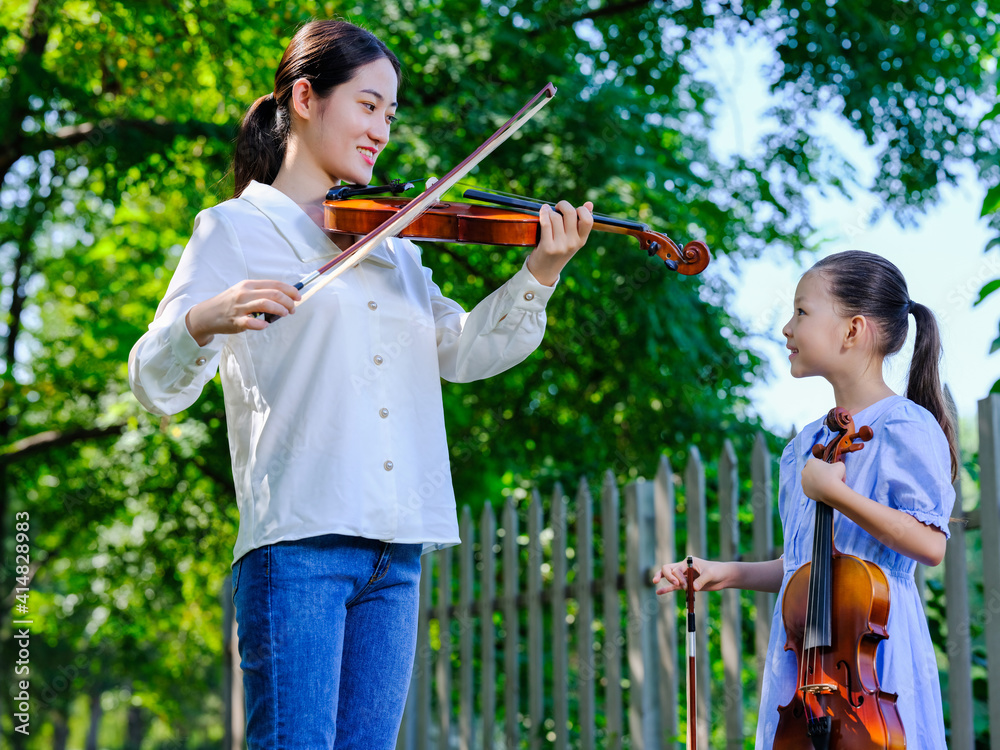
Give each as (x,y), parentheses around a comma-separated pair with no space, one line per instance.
(890,501)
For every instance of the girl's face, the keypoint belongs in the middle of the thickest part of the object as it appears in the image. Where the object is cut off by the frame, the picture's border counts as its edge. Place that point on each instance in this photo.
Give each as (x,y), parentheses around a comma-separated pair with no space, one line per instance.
(816,333)
(353,122)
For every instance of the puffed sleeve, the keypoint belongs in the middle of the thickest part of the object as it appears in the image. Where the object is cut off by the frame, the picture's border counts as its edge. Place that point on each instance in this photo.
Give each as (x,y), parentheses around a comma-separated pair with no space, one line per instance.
(915,467)
(499,332)
(167,368)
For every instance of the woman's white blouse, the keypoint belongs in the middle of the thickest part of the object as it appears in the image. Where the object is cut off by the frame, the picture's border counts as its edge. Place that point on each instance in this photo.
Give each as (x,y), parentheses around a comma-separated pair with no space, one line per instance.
(335,416)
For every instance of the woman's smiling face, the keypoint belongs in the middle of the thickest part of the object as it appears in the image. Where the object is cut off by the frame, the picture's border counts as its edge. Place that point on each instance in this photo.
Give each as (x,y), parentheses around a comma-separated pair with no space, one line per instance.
(353,124)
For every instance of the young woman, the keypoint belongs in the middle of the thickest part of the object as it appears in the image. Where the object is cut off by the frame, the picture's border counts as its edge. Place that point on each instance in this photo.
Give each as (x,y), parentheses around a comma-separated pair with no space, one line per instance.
(334,410)
(892,500)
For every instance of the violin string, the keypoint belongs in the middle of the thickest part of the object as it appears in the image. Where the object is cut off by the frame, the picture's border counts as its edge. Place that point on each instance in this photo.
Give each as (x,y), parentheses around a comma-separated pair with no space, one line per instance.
(826,573)
(806,635)
(806,639)
(504,194)
(812,600)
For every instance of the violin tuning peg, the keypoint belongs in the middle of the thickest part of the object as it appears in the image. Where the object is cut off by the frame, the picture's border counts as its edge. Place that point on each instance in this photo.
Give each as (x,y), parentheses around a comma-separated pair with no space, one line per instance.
(671,264)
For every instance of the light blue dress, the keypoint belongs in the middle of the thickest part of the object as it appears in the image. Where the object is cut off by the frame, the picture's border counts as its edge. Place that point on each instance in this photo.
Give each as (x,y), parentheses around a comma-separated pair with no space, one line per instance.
(906,466)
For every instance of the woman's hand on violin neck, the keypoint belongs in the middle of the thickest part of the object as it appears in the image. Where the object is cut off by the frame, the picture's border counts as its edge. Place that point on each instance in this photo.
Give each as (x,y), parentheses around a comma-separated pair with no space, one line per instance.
(232,311)
(563,231)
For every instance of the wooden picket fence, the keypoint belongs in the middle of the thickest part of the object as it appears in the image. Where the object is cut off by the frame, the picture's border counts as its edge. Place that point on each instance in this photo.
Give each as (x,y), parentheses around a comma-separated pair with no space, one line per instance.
(537,632)
(566,683)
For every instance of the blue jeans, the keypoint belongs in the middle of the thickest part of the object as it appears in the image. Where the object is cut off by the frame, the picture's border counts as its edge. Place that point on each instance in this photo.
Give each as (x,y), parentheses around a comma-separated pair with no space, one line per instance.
(327,632)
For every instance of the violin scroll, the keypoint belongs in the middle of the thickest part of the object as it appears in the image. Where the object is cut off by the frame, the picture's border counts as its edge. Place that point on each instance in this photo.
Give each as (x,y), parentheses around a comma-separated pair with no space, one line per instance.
(692,259)
(840,421)
(695,255)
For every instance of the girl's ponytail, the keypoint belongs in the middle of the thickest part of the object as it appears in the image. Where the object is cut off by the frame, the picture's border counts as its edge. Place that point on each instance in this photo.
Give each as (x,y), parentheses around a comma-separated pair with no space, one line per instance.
(260,144)
(924,384)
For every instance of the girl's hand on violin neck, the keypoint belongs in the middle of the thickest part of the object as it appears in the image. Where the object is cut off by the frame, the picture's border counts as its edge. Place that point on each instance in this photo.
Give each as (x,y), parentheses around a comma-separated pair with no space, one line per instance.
(563,232)
(231,311)
(822,481)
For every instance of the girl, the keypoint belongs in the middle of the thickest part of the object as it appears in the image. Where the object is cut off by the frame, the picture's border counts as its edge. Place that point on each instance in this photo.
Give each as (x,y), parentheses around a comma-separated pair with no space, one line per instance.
(334,410)
(891,500)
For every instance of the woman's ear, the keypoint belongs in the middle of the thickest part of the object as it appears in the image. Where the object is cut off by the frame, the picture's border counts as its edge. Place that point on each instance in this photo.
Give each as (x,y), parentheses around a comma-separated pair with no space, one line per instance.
(303,98)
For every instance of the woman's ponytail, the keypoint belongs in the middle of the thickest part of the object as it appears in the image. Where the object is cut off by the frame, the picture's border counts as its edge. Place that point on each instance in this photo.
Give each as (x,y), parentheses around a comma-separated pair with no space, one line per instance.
(260,144)
(924,384)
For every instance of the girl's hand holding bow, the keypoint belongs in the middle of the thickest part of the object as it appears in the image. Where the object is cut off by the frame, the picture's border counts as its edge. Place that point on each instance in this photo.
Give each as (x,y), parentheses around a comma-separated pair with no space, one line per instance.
(711,576)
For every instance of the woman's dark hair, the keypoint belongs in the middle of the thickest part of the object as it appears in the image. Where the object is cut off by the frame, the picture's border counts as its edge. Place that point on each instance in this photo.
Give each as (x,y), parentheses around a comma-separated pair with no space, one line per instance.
(866,284)
(325,53)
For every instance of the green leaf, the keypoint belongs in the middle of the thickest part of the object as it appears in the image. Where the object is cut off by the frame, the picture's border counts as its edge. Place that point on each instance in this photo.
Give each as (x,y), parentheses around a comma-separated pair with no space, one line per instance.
(992,201)
(995,345)
(987,290)
(992,114)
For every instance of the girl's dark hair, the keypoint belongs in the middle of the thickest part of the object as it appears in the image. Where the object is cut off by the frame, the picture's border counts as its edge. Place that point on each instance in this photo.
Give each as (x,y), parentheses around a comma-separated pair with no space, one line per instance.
(867,284)
(325,53)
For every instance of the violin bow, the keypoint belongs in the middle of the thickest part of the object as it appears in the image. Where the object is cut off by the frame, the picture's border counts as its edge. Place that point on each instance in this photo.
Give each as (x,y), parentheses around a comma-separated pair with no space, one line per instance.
(692,683)
(409,213)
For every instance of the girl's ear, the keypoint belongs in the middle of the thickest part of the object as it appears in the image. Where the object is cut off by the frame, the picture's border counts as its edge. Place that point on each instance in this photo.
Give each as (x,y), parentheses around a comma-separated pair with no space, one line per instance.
(857,331)
(303,98)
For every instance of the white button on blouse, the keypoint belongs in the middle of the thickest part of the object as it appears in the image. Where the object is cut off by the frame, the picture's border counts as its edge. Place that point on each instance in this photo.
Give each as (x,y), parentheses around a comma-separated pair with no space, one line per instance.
(306,398)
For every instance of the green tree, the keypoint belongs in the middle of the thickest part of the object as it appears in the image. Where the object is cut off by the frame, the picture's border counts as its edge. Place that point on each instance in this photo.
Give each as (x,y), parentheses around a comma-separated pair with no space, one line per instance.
(118,129)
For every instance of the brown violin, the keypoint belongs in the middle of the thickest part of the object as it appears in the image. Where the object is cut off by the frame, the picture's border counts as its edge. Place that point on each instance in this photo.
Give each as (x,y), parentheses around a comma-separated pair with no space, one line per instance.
(835,611)
(512,221)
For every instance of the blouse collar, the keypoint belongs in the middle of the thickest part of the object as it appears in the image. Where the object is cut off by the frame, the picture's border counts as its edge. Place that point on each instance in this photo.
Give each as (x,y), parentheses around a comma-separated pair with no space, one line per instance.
(309,242)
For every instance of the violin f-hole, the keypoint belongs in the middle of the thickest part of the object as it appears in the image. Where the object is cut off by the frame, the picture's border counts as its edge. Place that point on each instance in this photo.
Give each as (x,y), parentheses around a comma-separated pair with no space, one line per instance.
(850,686)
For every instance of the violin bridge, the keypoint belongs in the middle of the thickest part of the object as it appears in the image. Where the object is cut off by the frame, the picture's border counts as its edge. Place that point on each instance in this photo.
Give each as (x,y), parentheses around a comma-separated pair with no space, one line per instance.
(819,689)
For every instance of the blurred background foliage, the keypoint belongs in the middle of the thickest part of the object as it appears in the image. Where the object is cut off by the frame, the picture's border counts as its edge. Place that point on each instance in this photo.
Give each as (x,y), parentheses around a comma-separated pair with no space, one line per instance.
(116,127)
